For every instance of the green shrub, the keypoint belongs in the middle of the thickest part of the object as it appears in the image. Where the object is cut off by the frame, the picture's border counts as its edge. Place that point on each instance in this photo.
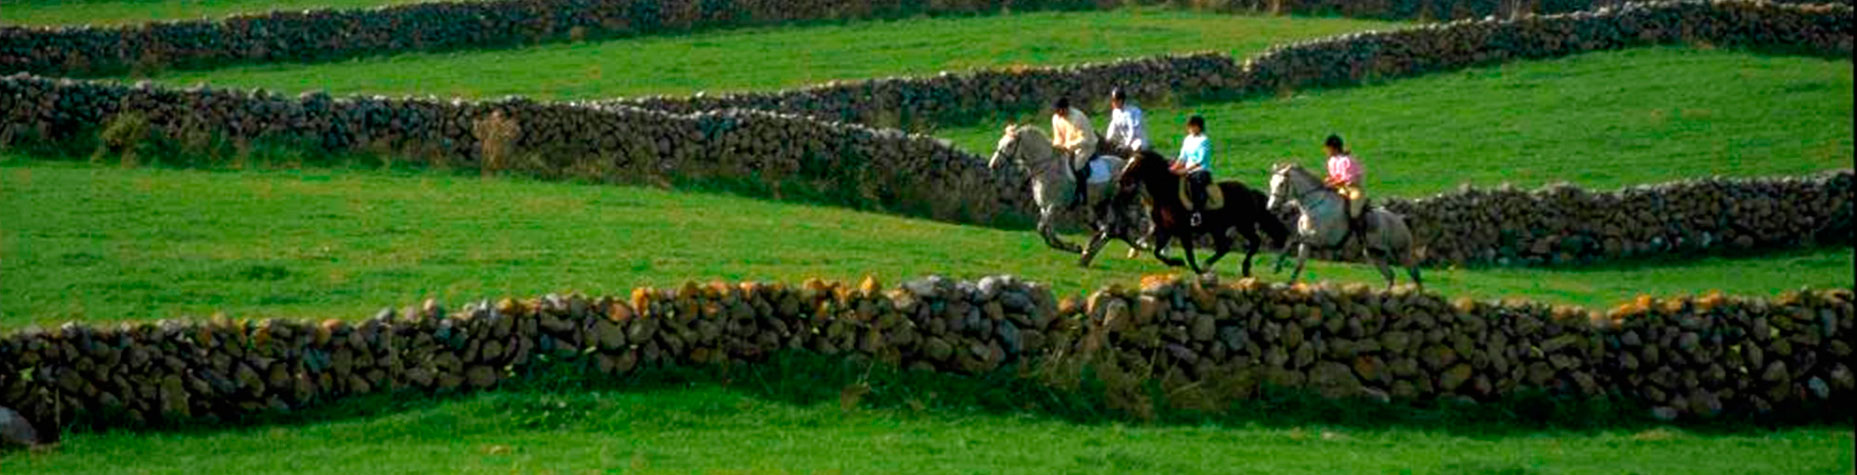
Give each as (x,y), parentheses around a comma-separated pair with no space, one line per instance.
(497,136)
(127,137)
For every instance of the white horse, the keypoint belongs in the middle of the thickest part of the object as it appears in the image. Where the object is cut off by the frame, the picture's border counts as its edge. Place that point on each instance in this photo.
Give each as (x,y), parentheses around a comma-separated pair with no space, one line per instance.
(1324,224)
(1029,148)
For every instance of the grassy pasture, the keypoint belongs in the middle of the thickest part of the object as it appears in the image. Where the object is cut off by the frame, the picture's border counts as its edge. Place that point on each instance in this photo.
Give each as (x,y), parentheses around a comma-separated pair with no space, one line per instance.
(98,243)
(95,243)
(1604,120)
(798,417)
(770,58)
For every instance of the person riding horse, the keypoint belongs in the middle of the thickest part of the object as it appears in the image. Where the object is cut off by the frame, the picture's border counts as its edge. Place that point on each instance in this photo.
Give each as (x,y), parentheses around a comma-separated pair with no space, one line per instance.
(1195,164)
(1128,131)
(1072,134)
(1344,175)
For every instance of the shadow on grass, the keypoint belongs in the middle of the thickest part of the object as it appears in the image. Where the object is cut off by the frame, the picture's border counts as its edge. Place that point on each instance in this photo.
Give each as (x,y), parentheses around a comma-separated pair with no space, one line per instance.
(806,379)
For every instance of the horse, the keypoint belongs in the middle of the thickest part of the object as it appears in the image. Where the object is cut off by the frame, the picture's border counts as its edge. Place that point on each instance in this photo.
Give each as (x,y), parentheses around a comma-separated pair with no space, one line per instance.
(1243,212)
(1029,148)
(1324,224)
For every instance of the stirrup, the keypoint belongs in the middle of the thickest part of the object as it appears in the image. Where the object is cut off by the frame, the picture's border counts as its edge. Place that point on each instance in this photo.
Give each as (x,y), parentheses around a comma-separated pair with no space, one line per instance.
(1196,219)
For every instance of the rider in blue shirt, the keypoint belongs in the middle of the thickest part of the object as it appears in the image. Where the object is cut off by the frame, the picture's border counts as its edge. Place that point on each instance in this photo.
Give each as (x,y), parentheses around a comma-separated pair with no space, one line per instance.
(1195,163)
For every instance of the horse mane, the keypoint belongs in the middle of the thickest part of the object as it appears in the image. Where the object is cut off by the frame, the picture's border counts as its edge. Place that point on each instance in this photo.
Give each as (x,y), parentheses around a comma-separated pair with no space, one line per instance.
(1144,157)
(1297,169)
(1021,129)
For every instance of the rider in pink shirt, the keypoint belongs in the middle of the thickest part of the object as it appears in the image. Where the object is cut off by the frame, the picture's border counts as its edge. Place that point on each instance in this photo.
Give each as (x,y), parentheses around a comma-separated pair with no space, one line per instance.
(1344,174)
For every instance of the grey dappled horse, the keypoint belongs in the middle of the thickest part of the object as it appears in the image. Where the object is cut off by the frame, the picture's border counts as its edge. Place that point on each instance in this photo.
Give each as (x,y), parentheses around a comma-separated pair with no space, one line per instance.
(1324,224)
(1048,171)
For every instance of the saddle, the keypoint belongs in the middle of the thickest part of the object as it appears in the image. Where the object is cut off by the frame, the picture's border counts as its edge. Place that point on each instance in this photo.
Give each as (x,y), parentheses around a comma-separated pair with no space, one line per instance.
(1215,197)
(1097,172)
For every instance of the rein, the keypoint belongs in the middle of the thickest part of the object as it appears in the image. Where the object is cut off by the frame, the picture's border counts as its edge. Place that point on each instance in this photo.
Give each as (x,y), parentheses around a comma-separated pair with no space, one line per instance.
(1303,195)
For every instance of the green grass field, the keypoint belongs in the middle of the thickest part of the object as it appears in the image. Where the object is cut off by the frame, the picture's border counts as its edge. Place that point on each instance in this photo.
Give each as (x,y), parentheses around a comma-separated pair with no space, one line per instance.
(800,413)
(1604,120)
(102,243)
(120,12)
(774,58)
(710,430)
(322,243)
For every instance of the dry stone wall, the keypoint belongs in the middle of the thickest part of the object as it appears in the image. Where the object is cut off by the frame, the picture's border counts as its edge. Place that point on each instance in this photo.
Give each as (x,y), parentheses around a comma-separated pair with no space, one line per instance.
(1686,357)
(1330,62)
(326,34)
(849,163)
(1564,224)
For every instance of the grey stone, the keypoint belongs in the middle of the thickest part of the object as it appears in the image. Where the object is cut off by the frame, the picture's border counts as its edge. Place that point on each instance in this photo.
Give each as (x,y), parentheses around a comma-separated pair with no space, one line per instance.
(15,430)
(1334,380)
(1819,388)
(1664,413)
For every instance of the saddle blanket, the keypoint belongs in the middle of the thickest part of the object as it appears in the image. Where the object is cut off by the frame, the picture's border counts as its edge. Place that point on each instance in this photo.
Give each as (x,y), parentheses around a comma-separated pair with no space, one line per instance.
(1215,197)
(1100,172)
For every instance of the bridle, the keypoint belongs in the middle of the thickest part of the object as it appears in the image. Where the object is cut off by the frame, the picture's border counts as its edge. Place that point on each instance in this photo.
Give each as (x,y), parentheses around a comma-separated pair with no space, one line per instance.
(1012,153)
(1303,196)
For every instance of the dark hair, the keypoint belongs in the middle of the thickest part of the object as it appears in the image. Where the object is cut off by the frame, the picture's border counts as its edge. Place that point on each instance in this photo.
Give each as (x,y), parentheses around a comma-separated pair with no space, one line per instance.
(1196,121)
(1118,94)
(1334,142)
(1062,105)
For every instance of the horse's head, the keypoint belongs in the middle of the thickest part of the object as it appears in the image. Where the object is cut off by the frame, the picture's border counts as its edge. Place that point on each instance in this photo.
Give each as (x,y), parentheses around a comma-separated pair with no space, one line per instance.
(1279,185)
(1007,149)
(1139,164)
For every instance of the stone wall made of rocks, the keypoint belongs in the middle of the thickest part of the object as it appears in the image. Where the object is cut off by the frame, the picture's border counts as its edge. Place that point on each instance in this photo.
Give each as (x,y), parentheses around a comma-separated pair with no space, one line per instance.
(327,34)
(1330,62)
(1699,356)
(1564,224)
(850,164)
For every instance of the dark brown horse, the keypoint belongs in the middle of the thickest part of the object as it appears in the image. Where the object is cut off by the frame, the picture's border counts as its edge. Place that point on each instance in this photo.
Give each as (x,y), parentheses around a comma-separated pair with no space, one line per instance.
(1244,212)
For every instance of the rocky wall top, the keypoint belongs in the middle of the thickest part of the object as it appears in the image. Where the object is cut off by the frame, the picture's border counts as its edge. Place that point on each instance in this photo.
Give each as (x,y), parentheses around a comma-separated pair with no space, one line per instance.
(1694,357)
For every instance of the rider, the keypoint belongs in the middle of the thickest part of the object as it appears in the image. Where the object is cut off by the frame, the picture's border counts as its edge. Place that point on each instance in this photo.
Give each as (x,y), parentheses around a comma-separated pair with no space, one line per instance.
(1344,175)
(1073,135)
(1127,133)
(1195,164)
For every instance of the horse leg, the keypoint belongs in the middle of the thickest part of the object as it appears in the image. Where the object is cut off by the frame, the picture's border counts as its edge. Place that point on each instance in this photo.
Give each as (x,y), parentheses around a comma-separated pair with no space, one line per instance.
(1137,240)
(1284,255)
(1096,245)
(1302,257)
(1049,230)
(1160,242)
(1412,269)
(1186,244)
(1378,258)
(1135,245)
(1221,244)
(1251,242)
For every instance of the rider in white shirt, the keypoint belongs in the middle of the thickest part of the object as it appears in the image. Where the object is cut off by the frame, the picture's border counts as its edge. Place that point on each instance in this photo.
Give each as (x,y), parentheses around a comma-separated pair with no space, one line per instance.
(1128,132)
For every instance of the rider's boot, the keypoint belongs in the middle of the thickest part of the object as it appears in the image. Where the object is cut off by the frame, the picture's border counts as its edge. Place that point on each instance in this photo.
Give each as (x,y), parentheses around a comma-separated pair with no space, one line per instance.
(1357,226)
(1198,195)
(1081,175)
